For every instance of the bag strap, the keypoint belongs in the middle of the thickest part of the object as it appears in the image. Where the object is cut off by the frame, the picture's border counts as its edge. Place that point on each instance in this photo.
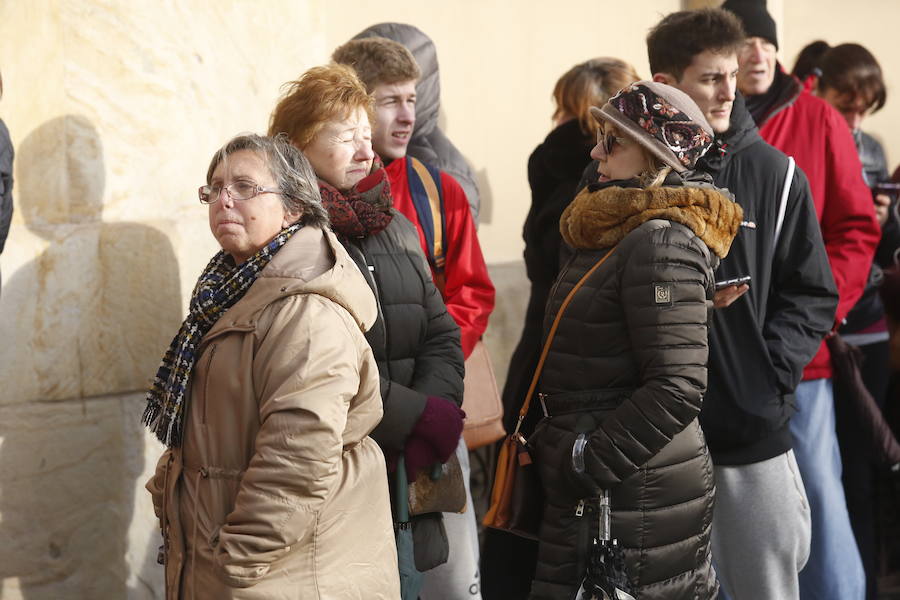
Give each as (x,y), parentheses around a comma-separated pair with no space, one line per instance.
(782,208)
(429,205)
(550,334)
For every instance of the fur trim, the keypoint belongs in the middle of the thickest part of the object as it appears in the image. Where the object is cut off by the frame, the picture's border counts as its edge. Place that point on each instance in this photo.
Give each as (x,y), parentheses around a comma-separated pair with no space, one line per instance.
(600,219)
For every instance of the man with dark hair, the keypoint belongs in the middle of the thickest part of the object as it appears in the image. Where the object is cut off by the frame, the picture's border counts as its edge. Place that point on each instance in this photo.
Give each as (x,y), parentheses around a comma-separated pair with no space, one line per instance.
(807,128)
(6,178)
(762,336)
(449,240)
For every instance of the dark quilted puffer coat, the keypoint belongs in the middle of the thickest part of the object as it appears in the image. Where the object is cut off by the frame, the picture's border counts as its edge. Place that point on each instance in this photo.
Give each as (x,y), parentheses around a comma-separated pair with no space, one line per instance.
(628,369)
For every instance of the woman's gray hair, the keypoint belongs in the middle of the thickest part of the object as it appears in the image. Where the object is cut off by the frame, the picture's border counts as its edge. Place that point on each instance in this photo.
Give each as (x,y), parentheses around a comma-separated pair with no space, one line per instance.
(293,174)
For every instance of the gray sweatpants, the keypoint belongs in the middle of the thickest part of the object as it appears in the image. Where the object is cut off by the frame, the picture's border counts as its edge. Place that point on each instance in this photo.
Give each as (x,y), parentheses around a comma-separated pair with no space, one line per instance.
(458,578)
(761,529)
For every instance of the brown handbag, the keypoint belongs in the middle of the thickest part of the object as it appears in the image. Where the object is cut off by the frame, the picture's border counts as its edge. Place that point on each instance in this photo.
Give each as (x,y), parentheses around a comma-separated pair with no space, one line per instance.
(517,501)
(440,489)
(481,401)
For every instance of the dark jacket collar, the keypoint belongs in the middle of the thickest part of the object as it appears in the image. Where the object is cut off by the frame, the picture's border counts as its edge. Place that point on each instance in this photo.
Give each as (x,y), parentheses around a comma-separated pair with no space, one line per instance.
(741,134)
(783,92)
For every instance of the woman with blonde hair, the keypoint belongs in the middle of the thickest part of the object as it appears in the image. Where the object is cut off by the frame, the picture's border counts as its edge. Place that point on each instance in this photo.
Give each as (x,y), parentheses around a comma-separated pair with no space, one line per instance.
(554,170)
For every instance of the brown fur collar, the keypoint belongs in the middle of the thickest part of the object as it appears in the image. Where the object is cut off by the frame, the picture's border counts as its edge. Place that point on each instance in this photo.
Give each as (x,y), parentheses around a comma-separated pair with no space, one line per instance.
(601,218)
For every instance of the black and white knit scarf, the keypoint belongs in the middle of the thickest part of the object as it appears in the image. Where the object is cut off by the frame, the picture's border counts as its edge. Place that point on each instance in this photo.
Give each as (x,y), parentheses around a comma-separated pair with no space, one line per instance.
(220,286)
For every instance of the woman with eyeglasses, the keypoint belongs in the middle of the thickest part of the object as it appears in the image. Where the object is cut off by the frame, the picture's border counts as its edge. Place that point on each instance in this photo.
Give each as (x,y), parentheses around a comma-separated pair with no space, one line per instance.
(270,485)
(624,377)
(327,114)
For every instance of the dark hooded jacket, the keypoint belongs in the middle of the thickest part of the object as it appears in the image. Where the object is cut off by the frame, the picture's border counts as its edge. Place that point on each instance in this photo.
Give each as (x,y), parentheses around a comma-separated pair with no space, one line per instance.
(554,169)
(760,344)
(428,143)
(627,368)
(813,132)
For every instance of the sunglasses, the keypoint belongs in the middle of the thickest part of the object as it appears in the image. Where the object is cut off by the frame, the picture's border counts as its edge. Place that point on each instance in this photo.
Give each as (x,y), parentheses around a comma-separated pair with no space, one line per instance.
(608,142)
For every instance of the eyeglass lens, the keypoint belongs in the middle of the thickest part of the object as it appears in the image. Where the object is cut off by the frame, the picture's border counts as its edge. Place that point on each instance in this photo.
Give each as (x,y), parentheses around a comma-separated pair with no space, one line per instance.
(239,190)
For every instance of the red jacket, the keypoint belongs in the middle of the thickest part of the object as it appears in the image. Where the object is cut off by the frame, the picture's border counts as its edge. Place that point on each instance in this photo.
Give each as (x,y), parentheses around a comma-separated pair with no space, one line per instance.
(468,291)
(815,134)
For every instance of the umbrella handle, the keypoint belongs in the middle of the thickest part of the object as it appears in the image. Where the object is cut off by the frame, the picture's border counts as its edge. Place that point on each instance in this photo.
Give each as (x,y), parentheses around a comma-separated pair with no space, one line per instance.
(604,535)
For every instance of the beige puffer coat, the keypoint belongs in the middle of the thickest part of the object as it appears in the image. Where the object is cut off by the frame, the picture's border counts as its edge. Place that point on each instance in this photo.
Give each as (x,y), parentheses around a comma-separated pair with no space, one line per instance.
(277,491)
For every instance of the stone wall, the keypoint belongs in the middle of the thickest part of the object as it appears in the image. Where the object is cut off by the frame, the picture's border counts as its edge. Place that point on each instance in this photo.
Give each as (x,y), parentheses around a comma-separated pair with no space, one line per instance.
(115,109)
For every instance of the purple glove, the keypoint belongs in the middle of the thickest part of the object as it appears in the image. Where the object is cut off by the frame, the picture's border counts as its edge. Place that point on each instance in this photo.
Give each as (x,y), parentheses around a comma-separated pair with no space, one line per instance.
(418,456)
(435,435)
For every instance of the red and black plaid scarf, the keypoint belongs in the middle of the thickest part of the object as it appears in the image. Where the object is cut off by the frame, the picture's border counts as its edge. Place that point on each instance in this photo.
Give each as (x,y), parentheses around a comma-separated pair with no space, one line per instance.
(364,209)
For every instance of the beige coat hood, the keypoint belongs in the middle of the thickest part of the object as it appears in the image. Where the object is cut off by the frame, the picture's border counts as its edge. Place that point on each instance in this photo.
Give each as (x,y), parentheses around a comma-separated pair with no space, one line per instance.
(312,262)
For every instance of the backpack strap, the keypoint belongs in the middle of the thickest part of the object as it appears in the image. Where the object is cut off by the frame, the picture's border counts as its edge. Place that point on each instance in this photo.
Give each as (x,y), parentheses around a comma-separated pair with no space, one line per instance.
(429,203)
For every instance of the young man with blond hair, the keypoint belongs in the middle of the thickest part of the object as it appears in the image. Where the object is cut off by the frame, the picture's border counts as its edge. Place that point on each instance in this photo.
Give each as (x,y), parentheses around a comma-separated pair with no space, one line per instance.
(450,243)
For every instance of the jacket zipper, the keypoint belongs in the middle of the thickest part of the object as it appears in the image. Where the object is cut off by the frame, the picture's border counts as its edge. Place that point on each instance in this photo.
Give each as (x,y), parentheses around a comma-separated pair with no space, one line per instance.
(583,534)
(559,278)
(212,352)
(376,289)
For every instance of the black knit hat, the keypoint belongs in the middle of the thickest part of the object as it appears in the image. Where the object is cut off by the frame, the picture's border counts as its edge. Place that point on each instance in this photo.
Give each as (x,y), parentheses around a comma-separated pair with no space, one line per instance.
(756,19)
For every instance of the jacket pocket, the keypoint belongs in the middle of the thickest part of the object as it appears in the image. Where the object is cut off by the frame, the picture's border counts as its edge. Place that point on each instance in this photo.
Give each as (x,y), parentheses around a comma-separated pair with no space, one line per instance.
(218,489)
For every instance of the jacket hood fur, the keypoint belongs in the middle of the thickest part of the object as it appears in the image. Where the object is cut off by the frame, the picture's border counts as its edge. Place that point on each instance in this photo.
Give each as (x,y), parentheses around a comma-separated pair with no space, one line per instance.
(601,218)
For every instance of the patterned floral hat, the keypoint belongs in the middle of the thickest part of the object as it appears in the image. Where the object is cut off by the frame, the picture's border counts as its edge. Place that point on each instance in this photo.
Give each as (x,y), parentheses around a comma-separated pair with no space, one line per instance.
(661,118)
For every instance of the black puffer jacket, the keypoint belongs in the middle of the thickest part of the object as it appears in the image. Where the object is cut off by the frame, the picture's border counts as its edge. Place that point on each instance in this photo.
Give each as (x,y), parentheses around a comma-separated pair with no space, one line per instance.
(628,368)
(760,344)
(415,340)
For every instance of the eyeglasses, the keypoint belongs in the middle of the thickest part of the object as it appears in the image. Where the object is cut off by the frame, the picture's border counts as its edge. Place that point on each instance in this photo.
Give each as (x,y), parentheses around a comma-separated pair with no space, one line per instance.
(609,141)
(239,190)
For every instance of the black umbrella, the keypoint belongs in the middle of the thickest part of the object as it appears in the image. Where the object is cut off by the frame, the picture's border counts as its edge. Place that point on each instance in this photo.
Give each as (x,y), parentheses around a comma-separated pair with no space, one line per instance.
(606,578)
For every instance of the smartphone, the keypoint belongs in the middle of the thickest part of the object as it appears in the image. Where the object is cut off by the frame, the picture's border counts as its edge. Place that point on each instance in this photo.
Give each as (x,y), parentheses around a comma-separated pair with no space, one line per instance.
(887,188)
(730,282)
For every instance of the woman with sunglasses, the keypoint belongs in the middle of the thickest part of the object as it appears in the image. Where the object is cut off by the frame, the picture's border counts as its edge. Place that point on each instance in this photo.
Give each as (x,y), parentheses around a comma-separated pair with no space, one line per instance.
(554,169)
(624,377)
(271,485)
